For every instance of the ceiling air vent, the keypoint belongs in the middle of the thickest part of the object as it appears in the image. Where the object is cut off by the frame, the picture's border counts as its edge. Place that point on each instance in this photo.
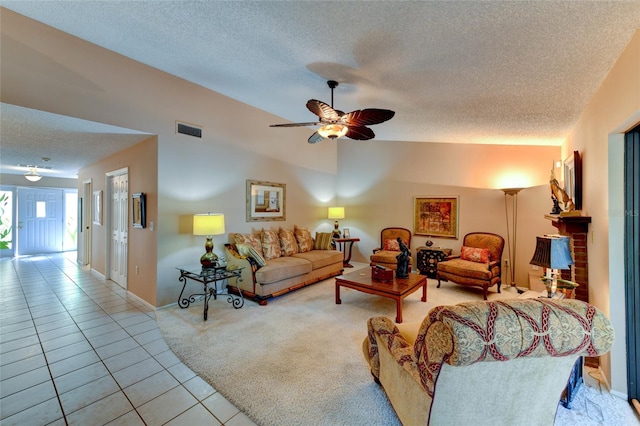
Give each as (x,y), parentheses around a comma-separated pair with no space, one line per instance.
(189,130)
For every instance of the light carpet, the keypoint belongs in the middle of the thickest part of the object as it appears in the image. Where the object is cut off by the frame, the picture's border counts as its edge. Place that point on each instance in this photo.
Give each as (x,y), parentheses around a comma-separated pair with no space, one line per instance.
(298,361)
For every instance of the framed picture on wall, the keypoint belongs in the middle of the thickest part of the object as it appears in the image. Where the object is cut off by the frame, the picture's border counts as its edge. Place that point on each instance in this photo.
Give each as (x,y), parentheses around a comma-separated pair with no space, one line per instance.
(266,201)
(436,216)
(97,207)
(573,178)
(139,210)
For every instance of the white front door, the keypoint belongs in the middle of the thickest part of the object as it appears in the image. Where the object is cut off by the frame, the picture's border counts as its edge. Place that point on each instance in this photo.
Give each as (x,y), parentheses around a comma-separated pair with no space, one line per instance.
(119,189)
(40,220)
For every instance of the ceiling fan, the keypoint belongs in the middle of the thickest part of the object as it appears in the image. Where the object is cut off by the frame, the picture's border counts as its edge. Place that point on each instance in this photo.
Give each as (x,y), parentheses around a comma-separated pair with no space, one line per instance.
(336,123)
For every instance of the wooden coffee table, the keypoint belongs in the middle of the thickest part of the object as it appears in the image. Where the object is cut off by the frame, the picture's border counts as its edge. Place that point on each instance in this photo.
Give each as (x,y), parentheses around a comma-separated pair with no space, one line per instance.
(397,290)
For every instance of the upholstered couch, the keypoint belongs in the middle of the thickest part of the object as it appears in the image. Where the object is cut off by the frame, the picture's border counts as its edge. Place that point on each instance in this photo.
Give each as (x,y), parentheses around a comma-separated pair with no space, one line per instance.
(484,363)
(276,262)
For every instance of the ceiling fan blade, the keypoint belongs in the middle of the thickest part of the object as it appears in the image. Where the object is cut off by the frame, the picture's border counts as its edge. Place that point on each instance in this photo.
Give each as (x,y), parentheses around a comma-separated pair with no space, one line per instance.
(295,124)
(367,117)
(322,110)
(360,133)
(315,138)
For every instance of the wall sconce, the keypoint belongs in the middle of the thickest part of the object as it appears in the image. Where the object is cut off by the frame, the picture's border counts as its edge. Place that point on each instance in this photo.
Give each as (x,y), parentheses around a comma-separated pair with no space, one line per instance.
(208,224)
(336,213)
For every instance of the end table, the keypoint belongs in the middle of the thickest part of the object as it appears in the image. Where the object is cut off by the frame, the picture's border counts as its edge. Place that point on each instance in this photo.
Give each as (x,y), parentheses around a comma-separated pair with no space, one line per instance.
(206,277)
(345,245)
(428,258)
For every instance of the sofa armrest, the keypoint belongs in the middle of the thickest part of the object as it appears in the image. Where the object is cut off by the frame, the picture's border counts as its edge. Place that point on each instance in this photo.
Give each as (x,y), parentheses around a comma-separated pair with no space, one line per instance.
(377,249)
(235,261)
(391,340)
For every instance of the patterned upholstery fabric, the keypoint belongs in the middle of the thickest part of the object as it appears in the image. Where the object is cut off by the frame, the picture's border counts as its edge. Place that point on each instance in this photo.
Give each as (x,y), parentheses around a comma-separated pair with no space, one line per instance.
(303,236)
(467,272)
(288,242)
(474,254)
(250,239)
(323,241)
(474,332)
(386,253)
(270,245)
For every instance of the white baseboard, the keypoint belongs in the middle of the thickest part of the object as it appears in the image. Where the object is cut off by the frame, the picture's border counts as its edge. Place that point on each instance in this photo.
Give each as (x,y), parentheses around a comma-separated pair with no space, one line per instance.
(98,275)
(141,300)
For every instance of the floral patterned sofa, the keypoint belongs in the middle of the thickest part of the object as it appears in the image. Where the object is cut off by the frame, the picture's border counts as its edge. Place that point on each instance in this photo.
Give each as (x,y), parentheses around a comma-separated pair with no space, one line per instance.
(484,363)
(276,262)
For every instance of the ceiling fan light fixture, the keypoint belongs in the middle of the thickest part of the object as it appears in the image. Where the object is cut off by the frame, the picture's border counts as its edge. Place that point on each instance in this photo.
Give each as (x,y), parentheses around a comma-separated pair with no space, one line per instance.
(333,131)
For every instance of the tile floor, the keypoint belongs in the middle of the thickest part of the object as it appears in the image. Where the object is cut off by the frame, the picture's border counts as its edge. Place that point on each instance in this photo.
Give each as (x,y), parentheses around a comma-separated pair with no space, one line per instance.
(78,351)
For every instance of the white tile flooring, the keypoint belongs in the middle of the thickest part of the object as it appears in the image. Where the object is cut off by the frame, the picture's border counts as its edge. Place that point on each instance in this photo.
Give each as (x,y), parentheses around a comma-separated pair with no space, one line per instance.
(78,351)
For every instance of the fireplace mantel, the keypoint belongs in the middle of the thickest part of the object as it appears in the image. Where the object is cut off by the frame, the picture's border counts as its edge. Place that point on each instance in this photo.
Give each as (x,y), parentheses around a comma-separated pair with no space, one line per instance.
(577,228)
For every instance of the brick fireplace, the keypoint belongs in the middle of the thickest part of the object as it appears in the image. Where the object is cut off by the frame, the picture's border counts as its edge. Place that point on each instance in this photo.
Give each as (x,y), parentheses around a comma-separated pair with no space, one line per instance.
(577,228)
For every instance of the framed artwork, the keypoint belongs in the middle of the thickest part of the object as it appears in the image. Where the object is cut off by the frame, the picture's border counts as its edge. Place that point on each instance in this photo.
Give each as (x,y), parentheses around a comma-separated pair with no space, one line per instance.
(265,201)
(573,178)
(436,216)
(346,233)
(97,207)
(139,210)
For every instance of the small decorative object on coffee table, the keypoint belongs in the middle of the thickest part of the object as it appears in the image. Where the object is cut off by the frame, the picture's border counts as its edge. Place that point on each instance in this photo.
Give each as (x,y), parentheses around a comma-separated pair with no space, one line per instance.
(381,273)
(403,258)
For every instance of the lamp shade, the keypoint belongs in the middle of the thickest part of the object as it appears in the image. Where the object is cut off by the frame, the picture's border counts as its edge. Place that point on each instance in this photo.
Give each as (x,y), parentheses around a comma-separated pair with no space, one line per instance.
(552,252)
(208,224)
(336,213)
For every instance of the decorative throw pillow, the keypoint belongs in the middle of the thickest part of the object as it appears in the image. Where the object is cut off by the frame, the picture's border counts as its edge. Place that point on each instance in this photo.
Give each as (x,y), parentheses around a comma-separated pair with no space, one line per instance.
(288,242)
(391,245)
(474,254)
(250,251)
(303,236)
(249,239)
(323,241)
(270,245)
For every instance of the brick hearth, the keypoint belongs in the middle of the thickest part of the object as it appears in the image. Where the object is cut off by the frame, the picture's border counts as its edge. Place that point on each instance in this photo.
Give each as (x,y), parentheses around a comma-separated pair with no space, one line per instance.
(577,228)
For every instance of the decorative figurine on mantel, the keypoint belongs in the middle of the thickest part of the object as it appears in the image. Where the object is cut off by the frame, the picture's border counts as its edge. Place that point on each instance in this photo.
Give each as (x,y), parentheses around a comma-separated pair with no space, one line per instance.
(559,195)
(402,271)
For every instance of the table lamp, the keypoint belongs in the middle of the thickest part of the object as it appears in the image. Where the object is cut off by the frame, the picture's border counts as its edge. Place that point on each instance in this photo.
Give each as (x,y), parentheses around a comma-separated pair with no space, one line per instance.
(208,224)
(552,253)
(336,213)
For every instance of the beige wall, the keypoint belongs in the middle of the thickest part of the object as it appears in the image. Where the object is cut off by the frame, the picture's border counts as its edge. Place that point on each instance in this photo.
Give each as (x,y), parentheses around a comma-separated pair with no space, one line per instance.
(614,109)
(377,183)
(142,165)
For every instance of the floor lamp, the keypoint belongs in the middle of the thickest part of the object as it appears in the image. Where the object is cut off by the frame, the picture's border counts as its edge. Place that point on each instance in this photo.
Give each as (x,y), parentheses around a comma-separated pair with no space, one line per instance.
(512,235)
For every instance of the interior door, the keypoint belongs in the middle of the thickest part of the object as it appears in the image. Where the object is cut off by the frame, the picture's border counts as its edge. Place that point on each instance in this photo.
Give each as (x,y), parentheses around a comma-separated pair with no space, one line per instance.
(41,220)
(84,224)
(119,226)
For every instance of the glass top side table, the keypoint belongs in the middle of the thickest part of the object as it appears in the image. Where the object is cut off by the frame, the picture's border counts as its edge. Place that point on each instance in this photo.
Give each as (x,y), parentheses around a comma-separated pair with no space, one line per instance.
(209,279)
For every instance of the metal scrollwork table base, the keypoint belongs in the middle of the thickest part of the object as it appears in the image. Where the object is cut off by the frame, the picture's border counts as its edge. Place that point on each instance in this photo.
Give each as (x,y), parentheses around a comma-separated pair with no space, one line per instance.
(209,279)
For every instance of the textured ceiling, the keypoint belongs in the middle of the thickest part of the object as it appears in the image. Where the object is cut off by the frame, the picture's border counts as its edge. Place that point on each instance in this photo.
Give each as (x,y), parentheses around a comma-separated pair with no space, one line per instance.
(454,71)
